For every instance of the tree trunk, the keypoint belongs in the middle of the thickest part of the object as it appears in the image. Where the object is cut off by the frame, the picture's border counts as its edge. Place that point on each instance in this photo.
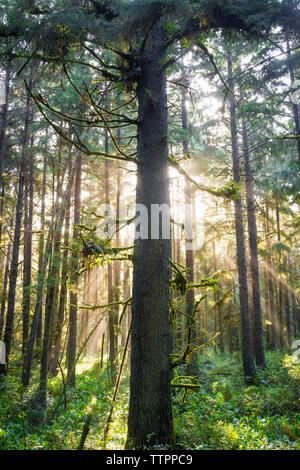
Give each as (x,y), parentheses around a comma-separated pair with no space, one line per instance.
(117,264)
(56,220)
(71,376)
(189,252)
(254,266)
(41,247)
(287,305)
(54,366)
(280,283)
(16,243)
(4,291)
(28,218)
(247,348)
(110,292)
(48,309)
(150,409)
(295,107)
(4,120)
(270,275)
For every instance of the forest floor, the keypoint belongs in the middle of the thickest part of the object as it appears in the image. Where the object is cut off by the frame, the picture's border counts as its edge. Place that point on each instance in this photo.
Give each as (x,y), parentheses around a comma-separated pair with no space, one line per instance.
(224,414)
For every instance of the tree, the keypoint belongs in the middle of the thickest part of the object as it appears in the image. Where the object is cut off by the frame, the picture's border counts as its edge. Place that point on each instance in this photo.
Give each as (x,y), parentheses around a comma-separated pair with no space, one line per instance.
(247,348)
(252,229)
(149,33)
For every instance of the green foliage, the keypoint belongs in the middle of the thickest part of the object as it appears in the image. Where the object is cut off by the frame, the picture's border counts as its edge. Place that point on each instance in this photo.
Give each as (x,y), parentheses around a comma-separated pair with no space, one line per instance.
(220,411)
(227,414)
(61,430)
(230,191)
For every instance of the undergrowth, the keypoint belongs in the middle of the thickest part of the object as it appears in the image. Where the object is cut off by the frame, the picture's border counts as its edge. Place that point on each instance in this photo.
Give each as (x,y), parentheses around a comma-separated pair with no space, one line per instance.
(224,414)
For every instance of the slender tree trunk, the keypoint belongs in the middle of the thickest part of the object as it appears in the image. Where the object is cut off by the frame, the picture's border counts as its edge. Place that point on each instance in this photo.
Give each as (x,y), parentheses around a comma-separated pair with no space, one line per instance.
(4,120)
(295,107)
(270,284)
(280,286)
(218,311)
(62,299)
(117,264)
(41,247)
(48,309)
(16,244)
(247,348)
(287,305)
(56,220)
(150,409)
(71,377)
(189,251)
(254,266)
(295,308)
(110,291)
(28,219)
(4,291)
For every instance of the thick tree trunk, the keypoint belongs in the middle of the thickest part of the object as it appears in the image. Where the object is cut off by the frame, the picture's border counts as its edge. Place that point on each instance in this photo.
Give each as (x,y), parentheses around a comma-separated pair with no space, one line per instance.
(150,409)
(254,266)
(247,348)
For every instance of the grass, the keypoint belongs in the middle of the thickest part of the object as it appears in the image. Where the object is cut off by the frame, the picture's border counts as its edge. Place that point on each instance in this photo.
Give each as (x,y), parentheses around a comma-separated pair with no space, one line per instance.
(223,414)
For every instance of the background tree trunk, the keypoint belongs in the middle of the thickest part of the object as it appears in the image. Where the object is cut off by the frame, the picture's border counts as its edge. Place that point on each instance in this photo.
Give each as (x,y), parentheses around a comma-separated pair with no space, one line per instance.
(247,349)
(71,377)
(254,266)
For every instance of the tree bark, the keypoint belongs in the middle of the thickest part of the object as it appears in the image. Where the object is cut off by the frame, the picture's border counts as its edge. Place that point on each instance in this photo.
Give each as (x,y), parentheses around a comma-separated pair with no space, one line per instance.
(48,309)
(295,107)
(54,365)
(150,408)
(254,266)
(280,284)
(247,348)
(4,291)
(270,275)
(28,219)
(16,243)
(41,246)
(71,376)
(56,220)
(189,252)
(112,326)
(4,119)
